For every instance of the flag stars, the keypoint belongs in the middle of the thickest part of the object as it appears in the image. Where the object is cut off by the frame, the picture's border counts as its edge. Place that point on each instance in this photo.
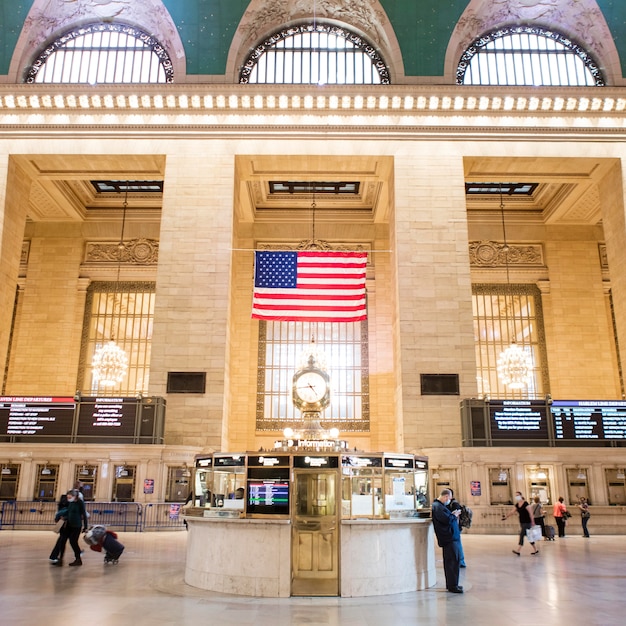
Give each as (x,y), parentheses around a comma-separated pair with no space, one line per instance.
(275,270)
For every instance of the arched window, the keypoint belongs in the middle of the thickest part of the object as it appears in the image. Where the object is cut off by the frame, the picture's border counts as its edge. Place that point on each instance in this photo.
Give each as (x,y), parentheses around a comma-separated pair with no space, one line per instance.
(312,54)
(102,53)
(526,55)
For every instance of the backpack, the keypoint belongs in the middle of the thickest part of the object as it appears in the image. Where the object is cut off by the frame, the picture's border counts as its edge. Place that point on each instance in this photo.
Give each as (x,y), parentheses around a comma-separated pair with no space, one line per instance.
(465,518)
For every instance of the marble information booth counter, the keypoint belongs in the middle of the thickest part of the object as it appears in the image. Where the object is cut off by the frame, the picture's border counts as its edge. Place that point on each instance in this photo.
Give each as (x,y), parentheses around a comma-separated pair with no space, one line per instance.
(310,524)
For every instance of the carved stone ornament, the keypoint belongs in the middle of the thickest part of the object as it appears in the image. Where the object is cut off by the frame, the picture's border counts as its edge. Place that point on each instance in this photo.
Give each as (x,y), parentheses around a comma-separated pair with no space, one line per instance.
(581,19)
(267,15)
(492,254)
(314,244)
(135,252)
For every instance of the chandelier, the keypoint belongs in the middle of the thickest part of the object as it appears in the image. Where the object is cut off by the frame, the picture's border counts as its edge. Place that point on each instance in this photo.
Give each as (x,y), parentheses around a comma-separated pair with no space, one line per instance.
(514,364)
(110,362)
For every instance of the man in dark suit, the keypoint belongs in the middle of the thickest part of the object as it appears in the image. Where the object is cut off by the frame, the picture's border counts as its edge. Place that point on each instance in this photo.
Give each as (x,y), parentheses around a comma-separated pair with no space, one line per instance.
(446,525)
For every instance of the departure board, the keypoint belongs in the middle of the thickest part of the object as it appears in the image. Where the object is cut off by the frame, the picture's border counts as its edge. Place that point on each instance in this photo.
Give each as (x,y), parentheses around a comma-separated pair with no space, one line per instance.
(518,421)
(589,420)
(268,496)
(105,417)
(28,418)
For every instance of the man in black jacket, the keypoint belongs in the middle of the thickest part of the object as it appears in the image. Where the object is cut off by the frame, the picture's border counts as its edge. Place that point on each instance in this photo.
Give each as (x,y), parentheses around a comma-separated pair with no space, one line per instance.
(446,525)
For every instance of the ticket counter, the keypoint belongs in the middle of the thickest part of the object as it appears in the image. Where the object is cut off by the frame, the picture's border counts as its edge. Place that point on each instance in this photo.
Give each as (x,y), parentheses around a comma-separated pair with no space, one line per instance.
(310,524)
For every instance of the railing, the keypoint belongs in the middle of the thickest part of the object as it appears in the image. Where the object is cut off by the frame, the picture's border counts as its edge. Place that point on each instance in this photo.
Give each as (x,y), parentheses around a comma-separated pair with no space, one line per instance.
(163,516)
(118,516)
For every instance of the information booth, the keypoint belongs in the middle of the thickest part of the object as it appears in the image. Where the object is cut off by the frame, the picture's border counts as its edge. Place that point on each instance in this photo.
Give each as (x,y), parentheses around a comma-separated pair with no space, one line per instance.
(310,523)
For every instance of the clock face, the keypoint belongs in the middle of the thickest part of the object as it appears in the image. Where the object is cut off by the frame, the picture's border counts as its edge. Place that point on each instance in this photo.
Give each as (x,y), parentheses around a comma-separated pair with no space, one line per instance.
(310,387)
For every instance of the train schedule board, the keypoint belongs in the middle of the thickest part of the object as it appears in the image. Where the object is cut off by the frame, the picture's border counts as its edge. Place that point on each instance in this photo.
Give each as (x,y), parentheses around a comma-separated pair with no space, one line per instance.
(107,419)
(32,418)
(518,422)
(589,421)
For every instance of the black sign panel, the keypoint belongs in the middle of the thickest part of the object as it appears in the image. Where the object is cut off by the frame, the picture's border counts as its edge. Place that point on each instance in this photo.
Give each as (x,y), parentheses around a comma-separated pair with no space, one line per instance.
(589,420)
(28,418)
(518,421)
(107,417)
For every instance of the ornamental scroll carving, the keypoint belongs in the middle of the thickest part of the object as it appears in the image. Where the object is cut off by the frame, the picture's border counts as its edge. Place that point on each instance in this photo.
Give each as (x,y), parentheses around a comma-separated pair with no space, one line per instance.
(315,244)
(135,252)
(492,254)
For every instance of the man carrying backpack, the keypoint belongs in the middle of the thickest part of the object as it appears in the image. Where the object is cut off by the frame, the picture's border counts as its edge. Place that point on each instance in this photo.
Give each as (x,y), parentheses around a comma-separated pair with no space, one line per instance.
(455,505)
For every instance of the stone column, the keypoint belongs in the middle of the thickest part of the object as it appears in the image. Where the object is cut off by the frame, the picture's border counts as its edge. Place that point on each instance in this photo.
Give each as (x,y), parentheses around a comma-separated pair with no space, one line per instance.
(435,327)
(46,338)
(192,289)
(14,188)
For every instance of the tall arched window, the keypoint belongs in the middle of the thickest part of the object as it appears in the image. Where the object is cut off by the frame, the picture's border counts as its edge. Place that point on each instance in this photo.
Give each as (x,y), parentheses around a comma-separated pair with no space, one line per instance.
(102,53)
(526,55)
(312,54)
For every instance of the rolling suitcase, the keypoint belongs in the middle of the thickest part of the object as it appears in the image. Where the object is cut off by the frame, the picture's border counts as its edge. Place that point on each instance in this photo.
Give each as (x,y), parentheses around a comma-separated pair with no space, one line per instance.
(550,533)
(112,547)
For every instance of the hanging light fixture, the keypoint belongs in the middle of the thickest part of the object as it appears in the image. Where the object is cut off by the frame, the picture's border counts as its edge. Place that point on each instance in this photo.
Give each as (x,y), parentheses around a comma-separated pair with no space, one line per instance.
(110,362)
(514,365)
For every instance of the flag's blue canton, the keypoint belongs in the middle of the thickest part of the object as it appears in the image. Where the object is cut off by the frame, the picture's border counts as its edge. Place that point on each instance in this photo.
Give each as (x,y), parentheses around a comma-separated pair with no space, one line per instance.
(275,270)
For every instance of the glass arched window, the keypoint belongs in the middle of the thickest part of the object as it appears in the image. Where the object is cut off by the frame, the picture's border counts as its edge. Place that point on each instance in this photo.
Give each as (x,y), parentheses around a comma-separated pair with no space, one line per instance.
(102,53)
(312,54)
(526,55)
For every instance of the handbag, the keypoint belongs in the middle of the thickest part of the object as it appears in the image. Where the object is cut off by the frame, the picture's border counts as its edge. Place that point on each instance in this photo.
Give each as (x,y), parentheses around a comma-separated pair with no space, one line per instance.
(58,525)
(534,533)
(586,514)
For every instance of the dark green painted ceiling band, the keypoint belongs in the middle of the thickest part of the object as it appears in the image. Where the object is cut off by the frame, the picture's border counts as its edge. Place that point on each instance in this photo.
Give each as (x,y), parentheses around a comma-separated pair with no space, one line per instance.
(423,29)
(615,17)
(12,16)
(206,28)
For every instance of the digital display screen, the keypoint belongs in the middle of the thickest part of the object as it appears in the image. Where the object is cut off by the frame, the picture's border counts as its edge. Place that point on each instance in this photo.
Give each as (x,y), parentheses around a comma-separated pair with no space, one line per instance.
(33,417)
(518,421)
(268,496)
(107,417)
(589,420)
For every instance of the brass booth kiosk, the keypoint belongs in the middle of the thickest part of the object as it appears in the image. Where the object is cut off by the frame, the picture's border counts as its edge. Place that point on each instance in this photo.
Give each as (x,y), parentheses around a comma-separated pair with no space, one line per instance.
(310,523)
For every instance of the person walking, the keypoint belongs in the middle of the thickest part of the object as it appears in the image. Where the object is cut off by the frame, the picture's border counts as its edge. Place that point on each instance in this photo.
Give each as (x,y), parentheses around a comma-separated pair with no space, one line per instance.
(538,515)
(446,526)
(56,556)
(526,521)
(455,505)
(76,517)
(560,513)
(585,514)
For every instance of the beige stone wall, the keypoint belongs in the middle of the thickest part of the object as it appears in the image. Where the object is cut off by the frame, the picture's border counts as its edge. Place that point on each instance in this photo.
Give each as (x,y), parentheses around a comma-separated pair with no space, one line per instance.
(13,205)
(435,324)
(46,342)
(192,292)
(578,336)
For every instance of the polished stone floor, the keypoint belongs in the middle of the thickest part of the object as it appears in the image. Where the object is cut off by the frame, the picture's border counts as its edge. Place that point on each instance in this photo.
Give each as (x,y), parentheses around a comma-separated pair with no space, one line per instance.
(571,581)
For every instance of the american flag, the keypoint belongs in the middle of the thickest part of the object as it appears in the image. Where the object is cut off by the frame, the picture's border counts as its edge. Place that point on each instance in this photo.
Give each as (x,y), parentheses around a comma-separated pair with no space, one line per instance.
(309,286)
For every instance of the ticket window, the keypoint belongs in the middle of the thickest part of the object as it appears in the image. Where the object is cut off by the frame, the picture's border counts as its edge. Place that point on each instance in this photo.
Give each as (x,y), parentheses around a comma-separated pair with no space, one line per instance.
(178,484)
(399,488)
(362,493)
(124,483)
(577,483)
(46,483)
(422,497)
(500,481)
(86,475)
(9,480)
(443,479)
(229,487)
(616,482)
(539,485)
(203,482)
